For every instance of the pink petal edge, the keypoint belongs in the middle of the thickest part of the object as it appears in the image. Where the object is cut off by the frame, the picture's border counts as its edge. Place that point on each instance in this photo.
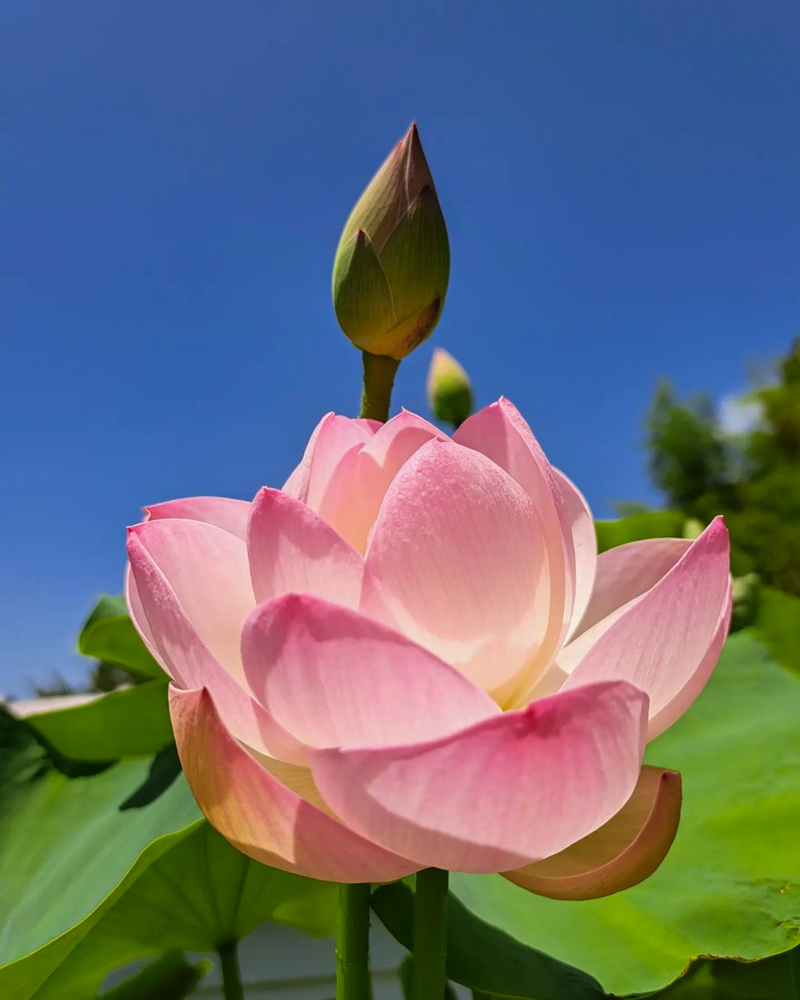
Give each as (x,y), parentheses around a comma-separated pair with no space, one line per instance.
(505,792)
(258,814)
(667,641)
(223,512)
(291,549)
(329,676)
(622,853)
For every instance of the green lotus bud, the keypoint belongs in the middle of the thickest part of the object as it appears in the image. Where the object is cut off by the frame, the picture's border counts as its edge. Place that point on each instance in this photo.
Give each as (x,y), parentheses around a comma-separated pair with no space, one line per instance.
(449,389)
(393,260)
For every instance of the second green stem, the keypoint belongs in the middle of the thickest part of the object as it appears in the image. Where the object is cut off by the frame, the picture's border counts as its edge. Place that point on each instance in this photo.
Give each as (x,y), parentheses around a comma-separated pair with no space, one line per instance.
(430,934)
(352,943)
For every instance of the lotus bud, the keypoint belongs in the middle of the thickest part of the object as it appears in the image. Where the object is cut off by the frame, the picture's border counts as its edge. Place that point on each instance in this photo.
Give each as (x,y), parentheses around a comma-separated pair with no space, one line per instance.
(449,389)
(393,260)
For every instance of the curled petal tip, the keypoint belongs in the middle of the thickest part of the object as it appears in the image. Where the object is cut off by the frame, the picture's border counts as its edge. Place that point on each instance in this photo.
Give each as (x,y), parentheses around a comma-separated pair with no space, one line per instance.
(620,854)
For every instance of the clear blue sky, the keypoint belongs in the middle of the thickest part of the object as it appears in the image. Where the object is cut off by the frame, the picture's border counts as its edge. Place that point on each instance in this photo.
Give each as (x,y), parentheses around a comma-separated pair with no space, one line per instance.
(620,181)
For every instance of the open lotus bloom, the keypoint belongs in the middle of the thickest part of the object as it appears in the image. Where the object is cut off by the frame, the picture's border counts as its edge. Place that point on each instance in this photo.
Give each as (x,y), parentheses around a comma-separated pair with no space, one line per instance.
(412,656)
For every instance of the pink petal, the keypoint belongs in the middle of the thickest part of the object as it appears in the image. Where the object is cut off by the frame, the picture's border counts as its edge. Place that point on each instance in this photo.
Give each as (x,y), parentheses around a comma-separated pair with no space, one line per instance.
(456,563)
(295,776)
(373,470)
(231,515)
(331,677)
(207,570)
(584,541)
(623,852)
(674,709)
(499,432)
(507,791)
(668,641)
(628,571)
(339,441)
(292,549)
(331,441)
(258,814)
(137,613)
(297,485)
(173,640)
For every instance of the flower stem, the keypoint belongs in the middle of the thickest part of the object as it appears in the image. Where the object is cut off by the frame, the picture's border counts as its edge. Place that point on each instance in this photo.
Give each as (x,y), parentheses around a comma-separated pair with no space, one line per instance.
(430,929)
(379,375)
(229,967)
(352,943)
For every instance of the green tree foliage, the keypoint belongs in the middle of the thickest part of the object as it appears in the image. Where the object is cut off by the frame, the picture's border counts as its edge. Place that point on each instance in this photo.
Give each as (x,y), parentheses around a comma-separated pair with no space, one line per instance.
(752,478)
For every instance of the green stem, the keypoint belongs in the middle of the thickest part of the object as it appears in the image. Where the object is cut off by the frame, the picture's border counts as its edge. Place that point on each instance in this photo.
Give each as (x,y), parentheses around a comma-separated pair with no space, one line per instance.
(231,976)
(352,943)
(430,930)
(379,375)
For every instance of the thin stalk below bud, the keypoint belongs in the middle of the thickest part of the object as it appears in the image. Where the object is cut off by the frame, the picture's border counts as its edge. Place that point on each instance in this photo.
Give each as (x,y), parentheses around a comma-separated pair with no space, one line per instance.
(376,398)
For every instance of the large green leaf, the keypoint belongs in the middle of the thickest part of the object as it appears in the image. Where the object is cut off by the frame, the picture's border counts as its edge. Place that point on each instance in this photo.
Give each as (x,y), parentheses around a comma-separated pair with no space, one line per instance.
(67,852)
(198,895)
(108,634)
(94,874)
(776,978)
(484,958)
(518,971)
(169,977)
(730,887)
(777,625)
(131,722)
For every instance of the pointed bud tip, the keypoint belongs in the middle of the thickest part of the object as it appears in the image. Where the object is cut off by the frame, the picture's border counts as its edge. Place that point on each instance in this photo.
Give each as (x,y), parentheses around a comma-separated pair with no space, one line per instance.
(444,365)
(414,155)
(392,264)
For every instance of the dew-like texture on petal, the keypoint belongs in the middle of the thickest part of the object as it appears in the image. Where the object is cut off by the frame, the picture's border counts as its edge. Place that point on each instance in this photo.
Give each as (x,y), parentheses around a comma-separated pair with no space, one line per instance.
(584,542)
(627,572)
(231,515)
(332,677)
(666,641)
(291,549)
(505,792)
(455,563)
(373,470)
(623,852)
(499,432)
(260,815)
(207,569)
(160,619)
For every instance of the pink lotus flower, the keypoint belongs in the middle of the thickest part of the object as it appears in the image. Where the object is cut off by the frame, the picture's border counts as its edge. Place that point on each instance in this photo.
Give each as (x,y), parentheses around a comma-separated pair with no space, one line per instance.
(412,656)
